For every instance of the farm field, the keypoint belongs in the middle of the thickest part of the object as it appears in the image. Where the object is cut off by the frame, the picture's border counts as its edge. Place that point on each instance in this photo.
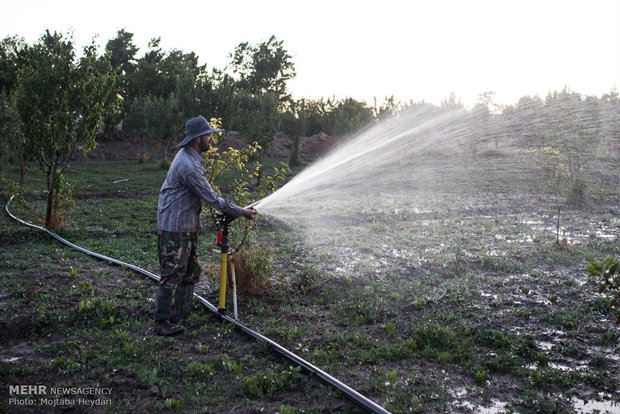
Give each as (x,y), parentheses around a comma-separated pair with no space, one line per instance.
(448,295)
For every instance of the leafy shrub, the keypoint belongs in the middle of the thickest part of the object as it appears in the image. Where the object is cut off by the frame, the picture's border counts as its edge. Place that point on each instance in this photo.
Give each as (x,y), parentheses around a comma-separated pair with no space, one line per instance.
(253,269)
(607,276)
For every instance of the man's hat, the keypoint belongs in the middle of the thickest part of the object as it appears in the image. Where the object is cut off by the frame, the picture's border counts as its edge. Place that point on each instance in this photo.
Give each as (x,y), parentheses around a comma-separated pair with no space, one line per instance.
(196,127)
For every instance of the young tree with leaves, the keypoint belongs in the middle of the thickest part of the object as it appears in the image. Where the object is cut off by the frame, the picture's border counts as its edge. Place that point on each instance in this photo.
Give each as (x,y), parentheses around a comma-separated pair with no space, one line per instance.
(61,102)
(158,118)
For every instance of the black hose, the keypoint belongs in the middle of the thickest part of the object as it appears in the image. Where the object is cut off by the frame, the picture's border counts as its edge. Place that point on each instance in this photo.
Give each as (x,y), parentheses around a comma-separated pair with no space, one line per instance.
(353,395)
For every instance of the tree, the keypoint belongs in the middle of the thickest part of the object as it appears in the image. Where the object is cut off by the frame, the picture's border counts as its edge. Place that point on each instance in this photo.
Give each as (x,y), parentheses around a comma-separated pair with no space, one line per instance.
(478,127)
(550,162)
(573,127)
(11,137)
(147,78)
(348,116)
(387,109)
(264,67)
(11,56)
(296,124)
(123,52)
(524,122)
(157,117)
(257,118)
(610,108)
(61,102)
(450,103)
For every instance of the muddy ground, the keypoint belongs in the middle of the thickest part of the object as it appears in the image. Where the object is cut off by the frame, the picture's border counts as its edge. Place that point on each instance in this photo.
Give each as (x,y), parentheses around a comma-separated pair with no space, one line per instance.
(458,302)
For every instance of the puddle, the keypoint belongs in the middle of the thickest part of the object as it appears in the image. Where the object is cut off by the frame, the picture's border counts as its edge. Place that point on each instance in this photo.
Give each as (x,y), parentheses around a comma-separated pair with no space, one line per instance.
(605,406)
(496,407)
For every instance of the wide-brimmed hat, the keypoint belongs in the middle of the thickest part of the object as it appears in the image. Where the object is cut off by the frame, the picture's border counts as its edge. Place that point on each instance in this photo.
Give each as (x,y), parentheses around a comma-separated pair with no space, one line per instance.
(195,127)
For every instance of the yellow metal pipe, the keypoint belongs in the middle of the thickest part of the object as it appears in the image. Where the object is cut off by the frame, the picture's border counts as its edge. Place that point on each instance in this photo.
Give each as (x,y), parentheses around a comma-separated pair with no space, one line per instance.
(223,274)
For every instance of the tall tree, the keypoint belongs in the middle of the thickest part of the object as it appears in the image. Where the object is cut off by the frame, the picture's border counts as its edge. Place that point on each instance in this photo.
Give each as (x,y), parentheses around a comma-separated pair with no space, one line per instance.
(61,101)
(123,52)
(295,122)
(11,137)
(158,118)
(348,116)
(11,55)
(264,67)
(257,118)
(573,126)
(147,78)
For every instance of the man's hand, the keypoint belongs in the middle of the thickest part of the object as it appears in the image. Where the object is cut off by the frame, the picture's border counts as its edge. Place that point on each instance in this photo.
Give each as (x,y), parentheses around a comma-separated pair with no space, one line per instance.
(249,213)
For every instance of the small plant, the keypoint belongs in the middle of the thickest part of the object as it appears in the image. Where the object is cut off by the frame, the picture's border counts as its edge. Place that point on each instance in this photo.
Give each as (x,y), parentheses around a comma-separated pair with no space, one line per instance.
(253,269)
(287,409)
(229,364)
(389,329)
(86,289)
(199,369)
(543,359)
(73,272)
(556,172)
(148,376)
(202,348)
(391,378)
(607,275)
(481,376)
(172,404)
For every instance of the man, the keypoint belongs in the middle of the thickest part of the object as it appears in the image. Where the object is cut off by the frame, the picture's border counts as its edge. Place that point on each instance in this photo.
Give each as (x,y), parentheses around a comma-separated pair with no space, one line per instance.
(178,222)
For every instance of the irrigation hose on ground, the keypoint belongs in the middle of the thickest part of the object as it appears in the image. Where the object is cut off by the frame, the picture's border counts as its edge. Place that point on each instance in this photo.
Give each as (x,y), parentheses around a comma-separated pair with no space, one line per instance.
(350,393)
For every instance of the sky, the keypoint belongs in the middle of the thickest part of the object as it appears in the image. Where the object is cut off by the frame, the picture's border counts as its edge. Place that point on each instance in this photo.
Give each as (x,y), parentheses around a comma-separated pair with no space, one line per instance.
(419,50)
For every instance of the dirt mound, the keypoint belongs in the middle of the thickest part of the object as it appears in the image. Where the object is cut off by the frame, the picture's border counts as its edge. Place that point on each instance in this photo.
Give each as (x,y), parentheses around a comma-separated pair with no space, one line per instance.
(123,147)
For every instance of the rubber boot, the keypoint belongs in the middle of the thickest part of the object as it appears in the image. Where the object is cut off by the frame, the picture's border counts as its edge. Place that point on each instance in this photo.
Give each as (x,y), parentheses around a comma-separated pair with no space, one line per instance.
(163,300)
(183,301)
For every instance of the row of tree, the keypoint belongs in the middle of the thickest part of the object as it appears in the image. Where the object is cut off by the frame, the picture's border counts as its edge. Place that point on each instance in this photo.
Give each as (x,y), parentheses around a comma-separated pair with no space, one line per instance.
(160,89)
(53,102)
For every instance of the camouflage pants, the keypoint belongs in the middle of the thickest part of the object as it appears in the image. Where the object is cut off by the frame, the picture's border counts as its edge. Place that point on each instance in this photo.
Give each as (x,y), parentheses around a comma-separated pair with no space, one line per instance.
(178,261)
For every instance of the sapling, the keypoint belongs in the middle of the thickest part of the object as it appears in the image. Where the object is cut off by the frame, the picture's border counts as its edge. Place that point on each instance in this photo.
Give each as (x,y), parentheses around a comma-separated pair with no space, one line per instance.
(549,160)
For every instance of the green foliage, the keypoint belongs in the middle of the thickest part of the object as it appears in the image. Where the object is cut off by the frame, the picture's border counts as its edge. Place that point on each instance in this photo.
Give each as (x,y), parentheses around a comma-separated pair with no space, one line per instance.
(158,118)
(122,52)
(11,55)
(170,404)
(347,116)
(234,175)
(199,369)
(253,268)
(269,382)
(265,67)
(606,275)
(295,122)
(256,117)
(11,137)
(228,364)
(61,102)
